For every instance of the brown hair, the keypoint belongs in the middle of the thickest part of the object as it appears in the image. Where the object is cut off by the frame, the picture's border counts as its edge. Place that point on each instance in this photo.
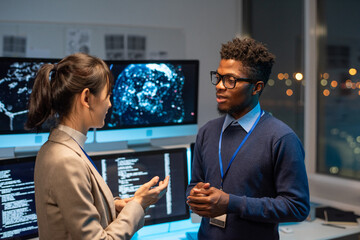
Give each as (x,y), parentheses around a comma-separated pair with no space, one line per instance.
(55,86)
(256,59)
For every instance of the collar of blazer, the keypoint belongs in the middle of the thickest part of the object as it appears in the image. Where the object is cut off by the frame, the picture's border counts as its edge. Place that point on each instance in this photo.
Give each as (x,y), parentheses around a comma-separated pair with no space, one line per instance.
(63,138)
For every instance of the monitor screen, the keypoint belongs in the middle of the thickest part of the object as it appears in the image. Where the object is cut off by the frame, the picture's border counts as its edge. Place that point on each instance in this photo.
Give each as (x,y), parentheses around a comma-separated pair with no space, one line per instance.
(17,77)
(151,95)
(126,172)
(17,200)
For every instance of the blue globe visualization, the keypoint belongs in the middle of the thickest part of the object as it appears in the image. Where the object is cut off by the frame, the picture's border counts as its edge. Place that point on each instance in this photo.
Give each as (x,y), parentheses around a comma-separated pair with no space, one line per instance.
(146,94)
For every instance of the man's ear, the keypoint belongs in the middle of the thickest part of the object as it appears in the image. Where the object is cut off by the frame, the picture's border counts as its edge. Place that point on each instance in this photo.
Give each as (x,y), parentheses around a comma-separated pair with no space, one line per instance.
(259,86)
(85,97)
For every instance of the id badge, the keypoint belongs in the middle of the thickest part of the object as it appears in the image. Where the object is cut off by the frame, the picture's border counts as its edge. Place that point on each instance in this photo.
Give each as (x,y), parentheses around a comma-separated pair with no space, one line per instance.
(219,221)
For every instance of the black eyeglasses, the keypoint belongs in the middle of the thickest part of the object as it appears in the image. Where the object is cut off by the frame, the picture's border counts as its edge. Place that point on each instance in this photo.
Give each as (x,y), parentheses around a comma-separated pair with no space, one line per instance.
(228,81)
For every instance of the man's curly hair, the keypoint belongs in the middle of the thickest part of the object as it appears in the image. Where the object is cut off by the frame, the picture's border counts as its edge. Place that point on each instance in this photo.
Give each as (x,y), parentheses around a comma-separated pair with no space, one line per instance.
(256,59)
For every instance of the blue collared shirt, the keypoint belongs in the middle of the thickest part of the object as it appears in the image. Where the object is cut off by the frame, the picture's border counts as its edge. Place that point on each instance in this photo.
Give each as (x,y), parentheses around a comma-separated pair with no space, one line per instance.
(246,121)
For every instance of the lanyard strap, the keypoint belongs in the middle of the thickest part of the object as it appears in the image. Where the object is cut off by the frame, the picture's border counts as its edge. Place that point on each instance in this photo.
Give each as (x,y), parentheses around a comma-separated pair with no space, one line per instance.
(88,157)
(236,152)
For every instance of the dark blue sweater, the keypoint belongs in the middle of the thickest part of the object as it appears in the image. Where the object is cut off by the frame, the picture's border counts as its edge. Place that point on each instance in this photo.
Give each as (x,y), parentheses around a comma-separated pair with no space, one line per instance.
(267,180)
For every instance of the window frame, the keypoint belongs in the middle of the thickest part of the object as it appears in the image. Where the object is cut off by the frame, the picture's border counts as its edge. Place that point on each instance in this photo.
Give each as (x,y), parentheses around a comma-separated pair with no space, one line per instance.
(324,189)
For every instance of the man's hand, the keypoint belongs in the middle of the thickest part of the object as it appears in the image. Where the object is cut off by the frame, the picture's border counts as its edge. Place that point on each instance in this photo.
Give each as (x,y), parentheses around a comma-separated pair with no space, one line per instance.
(199,186)
(208,202)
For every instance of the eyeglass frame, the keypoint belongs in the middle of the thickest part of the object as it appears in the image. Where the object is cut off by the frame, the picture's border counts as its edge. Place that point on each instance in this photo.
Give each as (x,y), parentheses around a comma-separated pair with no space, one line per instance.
(221,78)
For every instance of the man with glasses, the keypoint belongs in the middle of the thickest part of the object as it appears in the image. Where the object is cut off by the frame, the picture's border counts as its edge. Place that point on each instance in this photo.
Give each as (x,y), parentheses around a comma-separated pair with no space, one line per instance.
(248,171)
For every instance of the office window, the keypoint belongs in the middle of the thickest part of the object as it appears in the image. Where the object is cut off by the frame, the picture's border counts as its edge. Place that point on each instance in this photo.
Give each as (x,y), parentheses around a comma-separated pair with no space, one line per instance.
(338,120)
(279,24)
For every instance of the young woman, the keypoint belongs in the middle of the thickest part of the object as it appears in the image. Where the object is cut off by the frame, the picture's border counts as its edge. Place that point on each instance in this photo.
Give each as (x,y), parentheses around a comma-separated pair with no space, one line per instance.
(72,200)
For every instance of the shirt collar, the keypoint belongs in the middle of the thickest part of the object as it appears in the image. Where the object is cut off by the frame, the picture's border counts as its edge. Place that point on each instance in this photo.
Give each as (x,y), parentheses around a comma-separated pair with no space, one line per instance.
(246,121)
(76,135)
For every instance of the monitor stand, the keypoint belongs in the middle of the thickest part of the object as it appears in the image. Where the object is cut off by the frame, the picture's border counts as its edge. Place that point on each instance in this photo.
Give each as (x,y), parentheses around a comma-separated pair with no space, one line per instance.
(26,151)
(106,146)
(8,152)
(142,145)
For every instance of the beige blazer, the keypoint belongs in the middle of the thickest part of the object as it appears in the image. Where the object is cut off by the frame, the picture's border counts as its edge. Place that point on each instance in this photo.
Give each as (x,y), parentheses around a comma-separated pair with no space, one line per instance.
(72,199)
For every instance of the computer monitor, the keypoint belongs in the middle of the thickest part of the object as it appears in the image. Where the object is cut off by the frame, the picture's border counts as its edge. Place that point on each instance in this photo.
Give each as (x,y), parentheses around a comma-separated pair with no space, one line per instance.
(17,77)
(126,172)
(152,99)
(17,200)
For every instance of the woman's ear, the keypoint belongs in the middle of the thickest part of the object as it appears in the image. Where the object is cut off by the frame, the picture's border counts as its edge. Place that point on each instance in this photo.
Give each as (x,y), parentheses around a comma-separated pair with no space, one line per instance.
(85,97)
(259,86)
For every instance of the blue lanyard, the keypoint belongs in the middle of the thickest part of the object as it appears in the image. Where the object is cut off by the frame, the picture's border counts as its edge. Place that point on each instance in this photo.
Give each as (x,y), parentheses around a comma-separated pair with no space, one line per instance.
(237,150)
(88,157)
(90,160)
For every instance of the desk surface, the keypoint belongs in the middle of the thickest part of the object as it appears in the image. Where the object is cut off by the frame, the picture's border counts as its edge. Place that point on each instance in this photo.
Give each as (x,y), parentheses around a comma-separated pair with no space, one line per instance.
(313,230)
(166,231)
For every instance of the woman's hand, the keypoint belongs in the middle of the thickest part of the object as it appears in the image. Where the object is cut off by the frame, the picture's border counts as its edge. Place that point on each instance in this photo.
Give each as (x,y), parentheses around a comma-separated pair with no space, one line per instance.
(147,194)
(120,203)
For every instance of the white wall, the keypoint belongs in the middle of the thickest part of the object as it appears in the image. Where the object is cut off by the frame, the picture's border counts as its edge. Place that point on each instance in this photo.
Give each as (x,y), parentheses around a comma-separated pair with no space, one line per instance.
(205,25)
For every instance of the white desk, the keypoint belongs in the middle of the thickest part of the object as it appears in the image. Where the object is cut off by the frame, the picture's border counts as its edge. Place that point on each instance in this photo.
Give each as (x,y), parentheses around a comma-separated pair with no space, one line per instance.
(313,230)
(301,231)
(316,231)
(165,231)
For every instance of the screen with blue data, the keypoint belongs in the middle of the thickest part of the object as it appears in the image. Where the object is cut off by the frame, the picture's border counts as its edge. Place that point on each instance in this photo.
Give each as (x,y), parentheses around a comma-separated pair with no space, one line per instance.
(17,200)
(17,77)
(149,96)
(150,99)
(126,172)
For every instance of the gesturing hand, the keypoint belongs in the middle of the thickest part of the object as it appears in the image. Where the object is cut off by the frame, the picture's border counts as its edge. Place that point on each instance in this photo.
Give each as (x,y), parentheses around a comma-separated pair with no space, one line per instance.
(210,202)
(147,195)
(120,203)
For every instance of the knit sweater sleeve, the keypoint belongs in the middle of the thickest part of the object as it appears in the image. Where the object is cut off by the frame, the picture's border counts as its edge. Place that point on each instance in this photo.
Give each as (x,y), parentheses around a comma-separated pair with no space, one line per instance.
(197,174)
(291,202)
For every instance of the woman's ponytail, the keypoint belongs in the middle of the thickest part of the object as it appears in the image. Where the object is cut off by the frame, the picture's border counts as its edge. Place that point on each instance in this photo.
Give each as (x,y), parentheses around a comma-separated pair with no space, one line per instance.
(56,86)
(40,107)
